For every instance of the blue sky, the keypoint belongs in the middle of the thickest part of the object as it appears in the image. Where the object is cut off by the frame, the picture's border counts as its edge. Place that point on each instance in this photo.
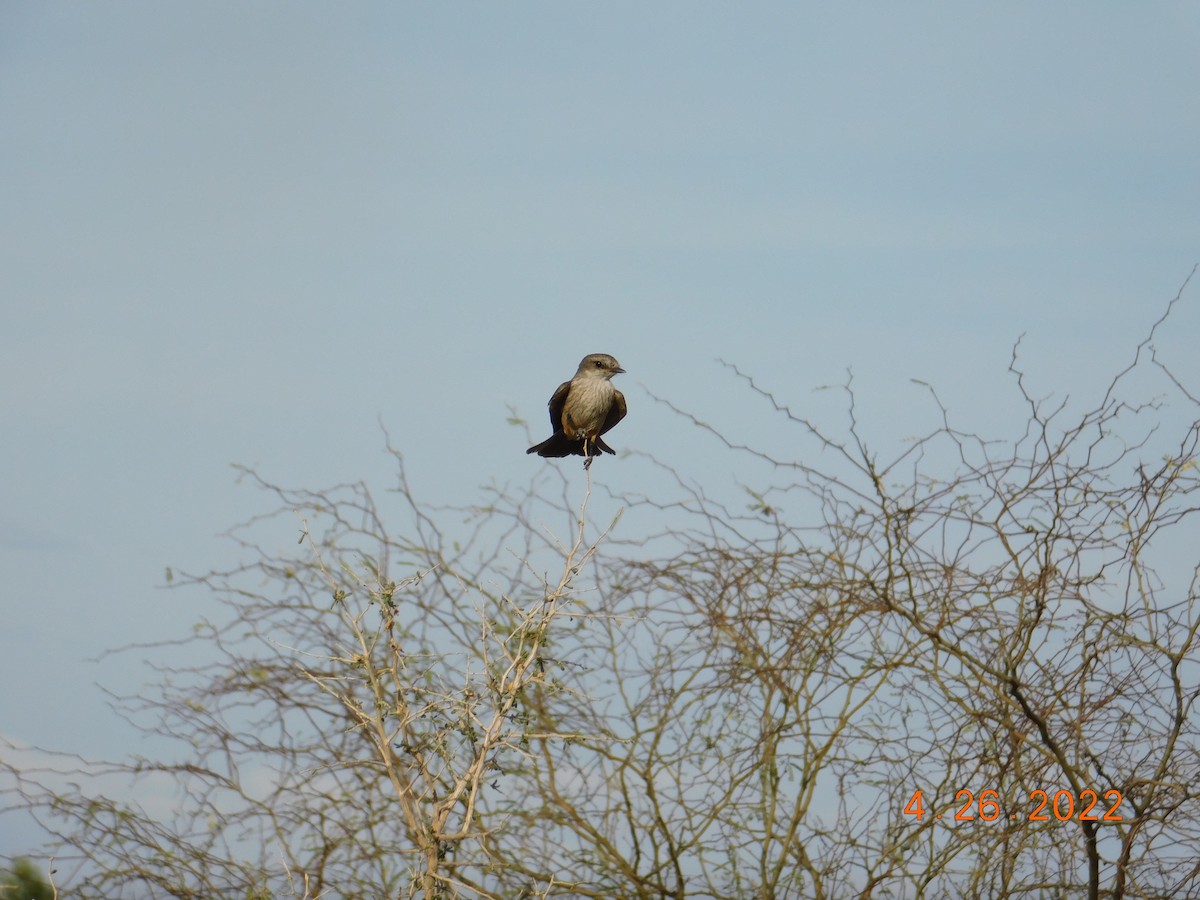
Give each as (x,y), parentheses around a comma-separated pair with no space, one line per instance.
(249,233)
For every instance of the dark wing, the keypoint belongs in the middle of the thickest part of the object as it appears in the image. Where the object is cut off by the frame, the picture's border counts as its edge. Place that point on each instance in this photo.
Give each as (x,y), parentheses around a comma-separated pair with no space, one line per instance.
(616,412)
(557,402)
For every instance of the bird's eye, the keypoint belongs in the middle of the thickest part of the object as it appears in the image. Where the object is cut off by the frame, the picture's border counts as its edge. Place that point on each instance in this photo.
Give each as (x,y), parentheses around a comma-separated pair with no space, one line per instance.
(599,364)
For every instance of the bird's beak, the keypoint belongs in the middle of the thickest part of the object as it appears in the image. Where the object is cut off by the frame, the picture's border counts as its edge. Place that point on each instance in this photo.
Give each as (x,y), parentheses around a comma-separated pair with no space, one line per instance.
(618,371)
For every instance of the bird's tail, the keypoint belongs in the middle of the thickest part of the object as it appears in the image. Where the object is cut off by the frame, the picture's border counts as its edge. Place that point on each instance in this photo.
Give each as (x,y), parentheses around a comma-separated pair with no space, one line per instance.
(559,444)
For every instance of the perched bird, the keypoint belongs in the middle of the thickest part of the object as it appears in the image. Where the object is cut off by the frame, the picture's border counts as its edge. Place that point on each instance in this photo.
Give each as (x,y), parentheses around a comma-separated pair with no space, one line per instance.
(584,408)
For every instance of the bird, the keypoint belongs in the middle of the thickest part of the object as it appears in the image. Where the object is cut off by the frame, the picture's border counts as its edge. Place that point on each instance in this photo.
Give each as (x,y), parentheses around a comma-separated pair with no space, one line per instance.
(583,409)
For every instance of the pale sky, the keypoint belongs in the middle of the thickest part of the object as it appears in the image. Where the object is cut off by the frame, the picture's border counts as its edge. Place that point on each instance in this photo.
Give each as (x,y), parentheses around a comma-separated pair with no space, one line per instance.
(250,232)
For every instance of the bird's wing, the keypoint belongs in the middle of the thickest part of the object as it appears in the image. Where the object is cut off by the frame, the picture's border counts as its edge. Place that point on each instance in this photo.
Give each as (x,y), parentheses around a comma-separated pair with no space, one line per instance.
(557,402)
(616,412)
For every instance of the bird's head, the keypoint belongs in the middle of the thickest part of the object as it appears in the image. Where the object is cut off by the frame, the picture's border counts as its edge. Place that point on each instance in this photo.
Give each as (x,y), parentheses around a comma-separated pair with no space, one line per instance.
(600,364)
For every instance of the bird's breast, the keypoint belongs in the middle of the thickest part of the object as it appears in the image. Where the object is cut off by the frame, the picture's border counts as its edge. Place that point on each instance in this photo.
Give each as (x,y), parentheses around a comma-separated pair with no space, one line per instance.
(587,406)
